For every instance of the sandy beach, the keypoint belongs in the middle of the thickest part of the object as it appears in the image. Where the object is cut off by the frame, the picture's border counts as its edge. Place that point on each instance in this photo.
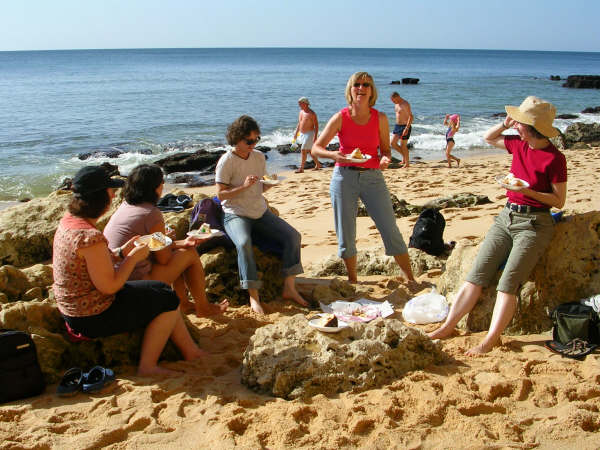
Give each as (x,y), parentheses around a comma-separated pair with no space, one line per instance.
(520,395)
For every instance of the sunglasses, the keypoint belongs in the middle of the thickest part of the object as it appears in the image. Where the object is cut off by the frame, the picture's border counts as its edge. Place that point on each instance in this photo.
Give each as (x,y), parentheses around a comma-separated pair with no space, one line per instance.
(365,85)
(252,141)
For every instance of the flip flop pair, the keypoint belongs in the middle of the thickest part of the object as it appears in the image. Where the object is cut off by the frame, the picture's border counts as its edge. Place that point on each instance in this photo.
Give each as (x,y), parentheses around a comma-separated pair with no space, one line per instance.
(575,348)
(75,380)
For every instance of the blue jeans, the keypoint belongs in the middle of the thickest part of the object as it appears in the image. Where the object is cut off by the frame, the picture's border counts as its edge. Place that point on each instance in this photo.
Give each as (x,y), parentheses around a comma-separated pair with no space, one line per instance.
(346,187)
(240,230)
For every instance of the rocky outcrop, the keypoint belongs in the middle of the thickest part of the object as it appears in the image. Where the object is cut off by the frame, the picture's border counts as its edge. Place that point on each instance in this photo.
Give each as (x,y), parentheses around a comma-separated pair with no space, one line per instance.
(591,110)
(555,77)
(289,359)
(27,284)
(374,262)
(582,132)
(568,271)
(583,82)
(201,160)
(27,230)
(567,116)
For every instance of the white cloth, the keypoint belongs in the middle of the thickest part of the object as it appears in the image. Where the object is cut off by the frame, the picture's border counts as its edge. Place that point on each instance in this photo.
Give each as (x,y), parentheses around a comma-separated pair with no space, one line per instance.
(306,140)
(593,301)
(232,171)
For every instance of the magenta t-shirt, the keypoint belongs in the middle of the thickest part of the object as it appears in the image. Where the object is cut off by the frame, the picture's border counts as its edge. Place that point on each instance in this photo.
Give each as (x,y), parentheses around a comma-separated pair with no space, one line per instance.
(128,221)
(540,167)
(365,137)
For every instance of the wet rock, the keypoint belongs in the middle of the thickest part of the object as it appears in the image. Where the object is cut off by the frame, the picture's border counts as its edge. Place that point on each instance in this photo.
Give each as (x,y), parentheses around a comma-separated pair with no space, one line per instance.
(555,77)
(583,82)
(289,359)
(101,153)
(591,110)
(568,271)
(410,80)
(567,116)
(190,162)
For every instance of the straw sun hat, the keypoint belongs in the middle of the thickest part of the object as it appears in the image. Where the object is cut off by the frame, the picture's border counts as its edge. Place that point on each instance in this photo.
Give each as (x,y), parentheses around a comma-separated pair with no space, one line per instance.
(535,112)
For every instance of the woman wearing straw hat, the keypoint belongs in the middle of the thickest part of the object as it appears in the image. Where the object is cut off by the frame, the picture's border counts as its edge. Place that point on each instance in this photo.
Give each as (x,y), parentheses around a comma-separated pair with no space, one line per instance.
(524,228)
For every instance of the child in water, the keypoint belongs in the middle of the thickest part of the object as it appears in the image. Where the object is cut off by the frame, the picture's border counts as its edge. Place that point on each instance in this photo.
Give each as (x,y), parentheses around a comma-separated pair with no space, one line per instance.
(453,123)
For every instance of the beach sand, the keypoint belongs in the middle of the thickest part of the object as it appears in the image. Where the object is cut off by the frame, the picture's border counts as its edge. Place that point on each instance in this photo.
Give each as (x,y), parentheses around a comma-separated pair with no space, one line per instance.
(520,395)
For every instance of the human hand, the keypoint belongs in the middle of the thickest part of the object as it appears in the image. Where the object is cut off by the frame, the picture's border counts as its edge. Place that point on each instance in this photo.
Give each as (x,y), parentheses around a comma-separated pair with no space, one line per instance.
(170,232)
(129,245)
(384,162)
(250,180)
(508,122)
(191,241)
(139,252)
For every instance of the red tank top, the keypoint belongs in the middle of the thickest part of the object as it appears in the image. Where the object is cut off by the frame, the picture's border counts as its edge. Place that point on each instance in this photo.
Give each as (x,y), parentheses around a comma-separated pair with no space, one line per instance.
(365,137)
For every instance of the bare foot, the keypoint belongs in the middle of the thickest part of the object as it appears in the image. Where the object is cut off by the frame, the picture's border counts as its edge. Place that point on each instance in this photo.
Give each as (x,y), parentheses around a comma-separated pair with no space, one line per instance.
(440,333)
(479,350)
(292,294)
(187,307)
(195,354)
(157,371)
(256,306)
(317,168)
(212,309)
(352,280)
(458,162)
(299,171)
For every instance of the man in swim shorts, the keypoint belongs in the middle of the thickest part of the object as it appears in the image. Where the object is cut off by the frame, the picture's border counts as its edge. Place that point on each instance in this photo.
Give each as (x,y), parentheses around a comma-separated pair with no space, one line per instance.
(306,132)
(402,129)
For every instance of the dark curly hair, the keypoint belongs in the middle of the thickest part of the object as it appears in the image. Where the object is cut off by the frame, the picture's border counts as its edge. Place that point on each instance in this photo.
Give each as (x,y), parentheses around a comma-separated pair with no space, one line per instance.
(90,205)
(142,183)
(240,128)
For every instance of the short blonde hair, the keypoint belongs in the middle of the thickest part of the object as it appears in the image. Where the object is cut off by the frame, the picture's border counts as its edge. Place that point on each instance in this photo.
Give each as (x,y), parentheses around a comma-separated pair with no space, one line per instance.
(359,76)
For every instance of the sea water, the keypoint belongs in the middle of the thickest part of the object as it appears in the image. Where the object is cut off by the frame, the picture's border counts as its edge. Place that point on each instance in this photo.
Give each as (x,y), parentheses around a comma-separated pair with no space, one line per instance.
(58,104)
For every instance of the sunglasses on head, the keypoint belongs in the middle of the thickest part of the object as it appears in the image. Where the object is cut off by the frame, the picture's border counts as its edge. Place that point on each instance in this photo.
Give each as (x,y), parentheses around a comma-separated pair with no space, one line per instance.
(365,85)
(252,141)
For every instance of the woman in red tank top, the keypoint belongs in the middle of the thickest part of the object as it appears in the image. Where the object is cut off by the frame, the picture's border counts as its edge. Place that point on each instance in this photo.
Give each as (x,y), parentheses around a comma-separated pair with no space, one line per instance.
(360,126)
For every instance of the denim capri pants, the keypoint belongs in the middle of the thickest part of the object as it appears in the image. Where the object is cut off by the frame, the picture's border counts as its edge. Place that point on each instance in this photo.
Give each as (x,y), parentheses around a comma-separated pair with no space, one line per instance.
(520,237)
(346,187)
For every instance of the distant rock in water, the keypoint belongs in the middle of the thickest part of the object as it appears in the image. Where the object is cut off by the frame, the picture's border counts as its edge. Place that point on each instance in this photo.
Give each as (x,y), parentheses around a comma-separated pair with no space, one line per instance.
(583,82)
(102,153)
(190,162)
(410,80)
(591,110)
(555,77)
(567,116)
(500,114)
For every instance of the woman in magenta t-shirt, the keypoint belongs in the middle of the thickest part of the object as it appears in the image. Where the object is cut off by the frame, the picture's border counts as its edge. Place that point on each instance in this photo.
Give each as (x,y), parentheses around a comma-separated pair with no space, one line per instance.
(361,126)
(525,227)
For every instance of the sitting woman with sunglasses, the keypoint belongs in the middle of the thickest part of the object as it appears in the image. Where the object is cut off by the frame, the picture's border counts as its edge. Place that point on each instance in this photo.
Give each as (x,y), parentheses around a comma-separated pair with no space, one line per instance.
(360,126)
(94,298)
(179,264)
(239,176)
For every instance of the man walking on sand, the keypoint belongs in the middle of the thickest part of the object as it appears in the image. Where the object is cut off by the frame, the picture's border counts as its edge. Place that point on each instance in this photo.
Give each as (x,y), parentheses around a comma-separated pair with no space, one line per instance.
(404,118)
(306,132)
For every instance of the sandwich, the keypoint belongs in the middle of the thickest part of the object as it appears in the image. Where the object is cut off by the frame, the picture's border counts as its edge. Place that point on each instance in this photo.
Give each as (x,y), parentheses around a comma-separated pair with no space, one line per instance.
(356,154)
(511,180)
(270,177)
(204,228)
(327,320)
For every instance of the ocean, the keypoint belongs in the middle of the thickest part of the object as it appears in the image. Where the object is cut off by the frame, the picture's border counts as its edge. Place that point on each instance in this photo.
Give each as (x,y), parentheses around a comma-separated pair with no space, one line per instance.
(58,104)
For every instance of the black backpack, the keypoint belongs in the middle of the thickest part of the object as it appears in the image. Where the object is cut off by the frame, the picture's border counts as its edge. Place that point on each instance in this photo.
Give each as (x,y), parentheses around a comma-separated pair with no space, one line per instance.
(20,373)
(428,232)
(574,320)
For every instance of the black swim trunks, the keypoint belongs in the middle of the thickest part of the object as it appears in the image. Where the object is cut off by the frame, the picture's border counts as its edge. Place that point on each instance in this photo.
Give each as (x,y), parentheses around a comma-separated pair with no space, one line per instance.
(399,129)
(450,140)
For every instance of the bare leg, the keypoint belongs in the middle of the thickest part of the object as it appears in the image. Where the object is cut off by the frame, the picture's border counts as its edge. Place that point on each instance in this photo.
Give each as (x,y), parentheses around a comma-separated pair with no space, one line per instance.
(303,161)
(184,342)
(449,157)
(351,269)
(504,310)
(395,146)
(290,292)
(465,301)
(255,301)
(184,303)
(404,146)
(404,263)
(155,337)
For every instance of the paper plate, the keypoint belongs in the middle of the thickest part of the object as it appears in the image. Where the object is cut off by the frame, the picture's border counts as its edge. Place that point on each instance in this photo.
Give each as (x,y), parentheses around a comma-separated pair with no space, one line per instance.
(341,325)
(199,235)
(500,180)
(355,160)
(146,239)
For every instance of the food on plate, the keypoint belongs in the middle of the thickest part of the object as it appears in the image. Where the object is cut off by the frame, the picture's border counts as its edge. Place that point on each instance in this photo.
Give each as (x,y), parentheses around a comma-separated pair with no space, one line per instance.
(157,241)
(327,320)
(270,177)
(511,180)
(358,312)
(205,228)
(356,154)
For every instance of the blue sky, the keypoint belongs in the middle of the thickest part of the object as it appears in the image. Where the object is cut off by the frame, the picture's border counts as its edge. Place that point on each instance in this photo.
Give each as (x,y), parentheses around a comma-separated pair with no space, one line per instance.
(484,24)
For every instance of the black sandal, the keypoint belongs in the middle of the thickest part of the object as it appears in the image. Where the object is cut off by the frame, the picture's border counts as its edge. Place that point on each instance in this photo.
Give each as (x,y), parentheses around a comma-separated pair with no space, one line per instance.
(575,348)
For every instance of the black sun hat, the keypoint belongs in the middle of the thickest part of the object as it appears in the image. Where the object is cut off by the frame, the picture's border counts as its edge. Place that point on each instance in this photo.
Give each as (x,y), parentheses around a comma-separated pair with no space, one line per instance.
(92,179)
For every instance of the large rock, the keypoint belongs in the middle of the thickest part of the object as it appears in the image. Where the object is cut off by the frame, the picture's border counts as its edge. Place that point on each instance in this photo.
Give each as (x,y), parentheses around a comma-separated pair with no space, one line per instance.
(583,82)
(290,359)
(189,162)
(27,230)
(582,132)
(568,271)
(26,284)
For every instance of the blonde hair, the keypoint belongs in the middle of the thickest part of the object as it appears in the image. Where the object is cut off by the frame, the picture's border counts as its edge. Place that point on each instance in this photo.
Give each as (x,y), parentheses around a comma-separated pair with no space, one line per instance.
(353,79)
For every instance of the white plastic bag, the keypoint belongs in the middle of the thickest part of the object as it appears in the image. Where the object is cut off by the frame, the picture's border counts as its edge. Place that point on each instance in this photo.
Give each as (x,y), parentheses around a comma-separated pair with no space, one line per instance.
(426,308)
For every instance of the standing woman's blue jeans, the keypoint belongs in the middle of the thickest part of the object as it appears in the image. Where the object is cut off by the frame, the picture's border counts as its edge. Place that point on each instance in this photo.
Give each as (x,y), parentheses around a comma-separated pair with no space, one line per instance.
(270,227)
(346,187)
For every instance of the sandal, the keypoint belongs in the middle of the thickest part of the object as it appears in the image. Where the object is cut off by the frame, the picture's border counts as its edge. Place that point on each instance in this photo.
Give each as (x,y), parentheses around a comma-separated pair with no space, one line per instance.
(575,348)
(97,378)
(71,382)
